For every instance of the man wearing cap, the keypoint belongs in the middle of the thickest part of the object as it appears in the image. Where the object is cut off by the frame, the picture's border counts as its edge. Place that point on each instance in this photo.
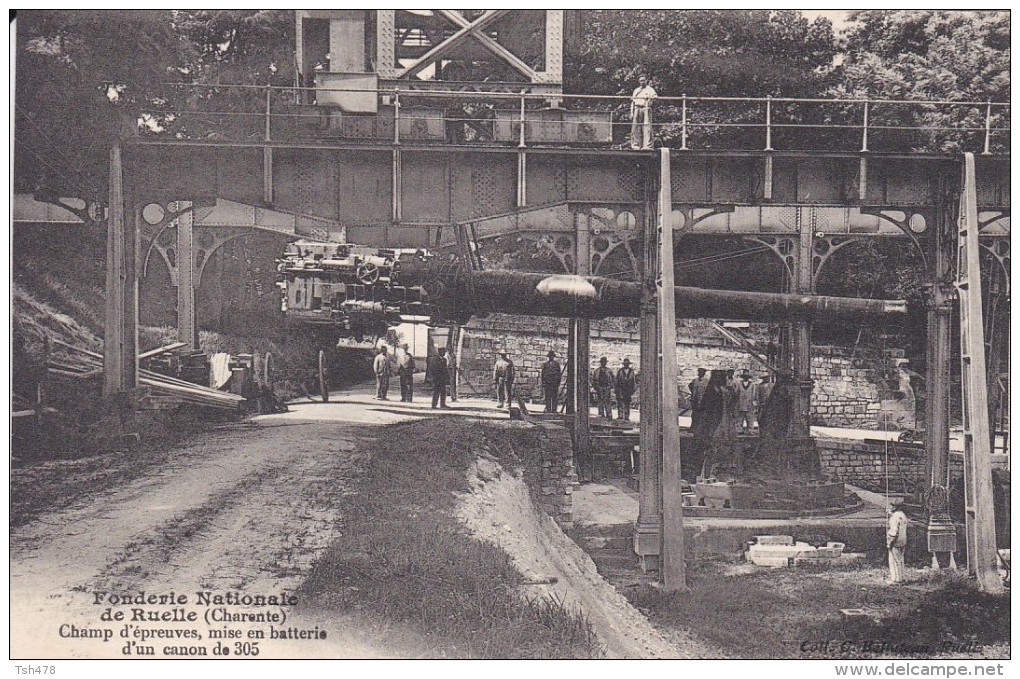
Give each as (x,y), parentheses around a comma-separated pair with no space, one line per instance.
(382,369)
(747,397)
(405,369)
(626,385)
(439,373)
(551,373)
(896,540)
(503,379)
(602,381)
(698,386)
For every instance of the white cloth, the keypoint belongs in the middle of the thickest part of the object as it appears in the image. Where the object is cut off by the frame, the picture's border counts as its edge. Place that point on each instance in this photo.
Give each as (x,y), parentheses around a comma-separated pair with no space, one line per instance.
(220,369)
(643,96)
(896,539)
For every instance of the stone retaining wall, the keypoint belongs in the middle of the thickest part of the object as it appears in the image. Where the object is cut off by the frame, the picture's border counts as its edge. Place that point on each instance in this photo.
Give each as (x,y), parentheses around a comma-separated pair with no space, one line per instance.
(851,389)
(863,463)
(558,476)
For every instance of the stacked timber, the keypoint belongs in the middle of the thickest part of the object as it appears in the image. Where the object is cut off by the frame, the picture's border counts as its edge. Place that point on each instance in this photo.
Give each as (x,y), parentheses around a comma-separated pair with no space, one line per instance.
(156,390)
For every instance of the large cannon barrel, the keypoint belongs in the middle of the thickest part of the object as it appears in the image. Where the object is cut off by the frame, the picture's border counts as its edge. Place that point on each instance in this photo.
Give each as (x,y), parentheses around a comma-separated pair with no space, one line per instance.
(597,297)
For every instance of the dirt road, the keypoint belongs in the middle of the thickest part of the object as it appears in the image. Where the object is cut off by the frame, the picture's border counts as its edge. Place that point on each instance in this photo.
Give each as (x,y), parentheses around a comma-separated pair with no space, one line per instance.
(246,510)
(204,555)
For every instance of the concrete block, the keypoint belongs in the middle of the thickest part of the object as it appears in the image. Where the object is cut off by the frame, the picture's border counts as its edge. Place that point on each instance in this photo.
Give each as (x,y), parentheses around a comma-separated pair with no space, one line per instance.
(769,561)
(773,539)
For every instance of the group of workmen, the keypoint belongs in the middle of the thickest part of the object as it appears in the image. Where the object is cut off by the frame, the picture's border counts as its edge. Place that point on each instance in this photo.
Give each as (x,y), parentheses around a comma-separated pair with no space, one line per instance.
(604,382)
(726,403)
(504,374)
(721,400)
(437,373)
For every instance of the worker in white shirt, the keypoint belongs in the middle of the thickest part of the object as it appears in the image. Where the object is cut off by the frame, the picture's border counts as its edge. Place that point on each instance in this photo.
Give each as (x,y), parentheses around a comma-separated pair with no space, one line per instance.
(641,114)
(383,369)
(896,540)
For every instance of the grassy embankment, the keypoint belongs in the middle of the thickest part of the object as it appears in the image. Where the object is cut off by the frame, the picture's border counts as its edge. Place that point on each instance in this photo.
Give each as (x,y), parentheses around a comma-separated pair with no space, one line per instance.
(765,613)
(405,559)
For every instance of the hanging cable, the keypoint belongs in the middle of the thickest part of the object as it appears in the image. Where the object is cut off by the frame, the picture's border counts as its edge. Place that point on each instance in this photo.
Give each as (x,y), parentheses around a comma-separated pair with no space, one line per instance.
(45,138)
(73,184)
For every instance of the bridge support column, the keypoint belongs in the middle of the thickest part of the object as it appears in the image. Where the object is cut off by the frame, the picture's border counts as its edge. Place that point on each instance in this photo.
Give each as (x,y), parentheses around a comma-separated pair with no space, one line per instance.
(941,531)
(120,352)
(801,330)
(570,365)
(938,297)
(187,327)
(796,450)
(582,357)
(648,531)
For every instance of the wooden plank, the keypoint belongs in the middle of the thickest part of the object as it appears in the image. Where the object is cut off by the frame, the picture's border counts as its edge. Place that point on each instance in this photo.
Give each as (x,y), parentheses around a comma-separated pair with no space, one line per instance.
(80,350)
(161,350)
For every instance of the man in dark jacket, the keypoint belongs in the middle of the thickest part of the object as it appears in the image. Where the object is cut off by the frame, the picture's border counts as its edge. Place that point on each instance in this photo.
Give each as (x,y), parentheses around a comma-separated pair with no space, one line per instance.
(405,369)
(698,386)
(626,385)
(602,380)
(551,373)
(503,379)
(439,374)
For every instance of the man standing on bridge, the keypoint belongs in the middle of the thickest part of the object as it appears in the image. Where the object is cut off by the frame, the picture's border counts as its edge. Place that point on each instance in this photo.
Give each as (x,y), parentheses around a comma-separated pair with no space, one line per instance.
(551,382)
(405,369)
(383,370)
(641,114)
(439,374)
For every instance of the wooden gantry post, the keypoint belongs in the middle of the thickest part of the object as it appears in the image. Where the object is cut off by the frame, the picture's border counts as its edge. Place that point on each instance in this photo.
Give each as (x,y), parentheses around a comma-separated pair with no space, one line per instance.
(120,352)
(982,558)
(673,568)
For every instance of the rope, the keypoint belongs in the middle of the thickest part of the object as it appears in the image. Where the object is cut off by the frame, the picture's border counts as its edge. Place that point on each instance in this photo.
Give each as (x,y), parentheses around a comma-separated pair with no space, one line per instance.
(886,414)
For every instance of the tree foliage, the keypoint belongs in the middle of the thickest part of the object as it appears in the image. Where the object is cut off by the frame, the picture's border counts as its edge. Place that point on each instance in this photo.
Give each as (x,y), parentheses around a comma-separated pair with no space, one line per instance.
(233,50)
(82,79)
(85,78)
(929,55)
(747,53)
(704,53)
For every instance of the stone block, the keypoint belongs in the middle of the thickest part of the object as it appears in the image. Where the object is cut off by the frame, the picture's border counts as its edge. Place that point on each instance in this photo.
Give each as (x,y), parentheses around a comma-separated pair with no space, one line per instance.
(773,539)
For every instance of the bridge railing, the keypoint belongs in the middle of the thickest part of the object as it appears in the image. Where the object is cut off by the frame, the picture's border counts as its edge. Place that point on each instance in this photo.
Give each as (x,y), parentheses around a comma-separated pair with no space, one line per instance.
(524,119)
